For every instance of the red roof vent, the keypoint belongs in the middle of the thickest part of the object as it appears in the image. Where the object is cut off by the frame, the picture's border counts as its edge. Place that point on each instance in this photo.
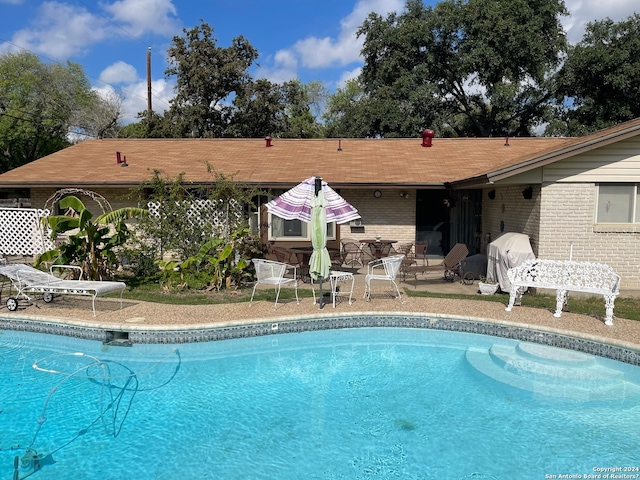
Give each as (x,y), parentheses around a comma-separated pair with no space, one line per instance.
(267,139)
(427,137)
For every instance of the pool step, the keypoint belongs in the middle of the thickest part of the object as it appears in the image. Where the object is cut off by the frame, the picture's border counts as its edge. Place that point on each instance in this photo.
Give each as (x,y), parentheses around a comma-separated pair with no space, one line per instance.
(553,372)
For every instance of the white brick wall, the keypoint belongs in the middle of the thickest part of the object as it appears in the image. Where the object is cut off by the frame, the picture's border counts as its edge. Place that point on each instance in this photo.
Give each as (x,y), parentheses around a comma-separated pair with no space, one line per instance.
(557,215)
(518,214)
(390,216)
(569,217)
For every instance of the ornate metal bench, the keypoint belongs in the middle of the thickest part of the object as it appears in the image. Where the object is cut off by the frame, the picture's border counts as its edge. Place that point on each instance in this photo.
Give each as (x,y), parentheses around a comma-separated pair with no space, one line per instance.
(563,276)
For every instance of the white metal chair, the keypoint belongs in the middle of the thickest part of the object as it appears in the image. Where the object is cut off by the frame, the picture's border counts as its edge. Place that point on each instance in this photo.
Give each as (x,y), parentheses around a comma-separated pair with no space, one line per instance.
(391,267)
(273,273)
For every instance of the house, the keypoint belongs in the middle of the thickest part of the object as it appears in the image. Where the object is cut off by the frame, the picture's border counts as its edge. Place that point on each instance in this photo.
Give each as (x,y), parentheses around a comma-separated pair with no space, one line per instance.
(572,196)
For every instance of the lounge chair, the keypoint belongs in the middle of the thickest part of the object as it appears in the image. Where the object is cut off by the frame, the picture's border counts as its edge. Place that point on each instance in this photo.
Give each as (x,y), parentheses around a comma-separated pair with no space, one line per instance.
(27,279)
(273,273)
(450,266)
(391,267)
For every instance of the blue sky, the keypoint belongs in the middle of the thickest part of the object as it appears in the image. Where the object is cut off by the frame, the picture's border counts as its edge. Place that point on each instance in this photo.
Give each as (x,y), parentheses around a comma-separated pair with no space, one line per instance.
(305,39)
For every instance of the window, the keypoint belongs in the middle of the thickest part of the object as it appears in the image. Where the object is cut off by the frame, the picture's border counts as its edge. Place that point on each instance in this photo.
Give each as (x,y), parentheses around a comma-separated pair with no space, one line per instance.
(618,203)
(281,229)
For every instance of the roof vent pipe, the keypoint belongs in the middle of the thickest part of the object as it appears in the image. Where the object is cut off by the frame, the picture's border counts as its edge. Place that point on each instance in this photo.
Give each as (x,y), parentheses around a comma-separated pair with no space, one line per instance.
(427,137)
(267,139)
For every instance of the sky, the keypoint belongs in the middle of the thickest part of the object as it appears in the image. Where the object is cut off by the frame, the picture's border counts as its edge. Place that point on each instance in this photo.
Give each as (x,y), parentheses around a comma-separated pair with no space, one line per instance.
(305,39)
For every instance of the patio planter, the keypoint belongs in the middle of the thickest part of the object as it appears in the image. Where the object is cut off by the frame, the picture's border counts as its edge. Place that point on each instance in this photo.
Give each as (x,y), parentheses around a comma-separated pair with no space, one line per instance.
(488,288)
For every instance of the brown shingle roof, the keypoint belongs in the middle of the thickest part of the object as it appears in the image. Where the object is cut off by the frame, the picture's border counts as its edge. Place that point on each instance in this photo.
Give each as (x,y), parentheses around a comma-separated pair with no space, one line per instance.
(388,162)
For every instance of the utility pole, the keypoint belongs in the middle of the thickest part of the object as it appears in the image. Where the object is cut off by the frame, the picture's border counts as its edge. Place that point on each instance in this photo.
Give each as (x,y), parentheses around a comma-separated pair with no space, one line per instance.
(149,84)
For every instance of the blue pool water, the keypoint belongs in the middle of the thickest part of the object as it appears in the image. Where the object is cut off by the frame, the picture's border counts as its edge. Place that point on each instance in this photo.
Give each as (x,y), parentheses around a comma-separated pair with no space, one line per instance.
(336,404)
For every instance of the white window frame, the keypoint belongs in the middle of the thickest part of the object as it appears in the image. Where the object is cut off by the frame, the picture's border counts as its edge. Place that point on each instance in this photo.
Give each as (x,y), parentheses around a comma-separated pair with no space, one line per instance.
(331,233)
(634,214)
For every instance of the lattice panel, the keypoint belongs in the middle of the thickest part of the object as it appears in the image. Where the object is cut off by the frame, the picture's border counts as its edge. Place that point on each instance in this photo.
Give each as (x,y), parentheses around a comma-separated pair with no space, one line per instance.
(207,211)
(21,231)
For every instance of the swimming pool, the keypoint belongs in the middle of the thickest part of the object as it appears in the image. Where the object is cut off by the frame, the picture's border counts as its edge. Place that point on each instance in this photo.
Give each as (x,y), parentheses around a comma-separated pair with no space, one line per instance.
(338,404)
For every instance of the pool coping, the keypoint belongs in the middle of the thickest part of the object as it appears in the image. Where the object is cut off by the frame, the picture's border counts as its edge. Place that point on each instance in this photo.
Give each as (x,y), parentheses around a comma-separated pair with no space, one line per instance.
(125,333)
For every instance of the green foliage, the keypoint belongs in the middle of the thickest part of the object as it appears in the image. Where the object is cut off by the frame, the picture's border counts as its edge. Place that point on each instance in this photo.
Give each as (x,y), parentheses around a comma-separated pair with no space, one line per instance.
(471,68)
(217,265)
(41,103)
(206,78)
(196,252)
(93,243)
(33,124)
(598,85)
(173,227)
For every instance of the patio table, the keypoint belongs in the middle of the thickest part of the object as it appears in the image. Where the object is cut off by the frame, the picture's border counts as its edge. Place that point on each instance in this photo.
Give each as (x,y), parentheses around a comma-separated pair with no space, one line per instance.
(379,246)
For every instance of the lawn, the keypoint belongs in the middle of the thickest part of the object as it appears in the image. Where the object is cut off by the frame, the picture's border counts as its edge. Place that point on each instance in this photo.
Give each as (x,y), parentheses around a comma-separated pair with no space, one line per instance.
(625,307)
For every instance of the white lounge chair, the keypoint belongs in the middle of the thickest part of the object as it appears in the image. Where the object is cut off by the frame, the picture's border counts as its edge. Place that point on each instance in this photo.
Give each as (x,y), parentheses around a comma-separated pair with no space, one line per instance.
(27,279)
(273,273)
(391,267)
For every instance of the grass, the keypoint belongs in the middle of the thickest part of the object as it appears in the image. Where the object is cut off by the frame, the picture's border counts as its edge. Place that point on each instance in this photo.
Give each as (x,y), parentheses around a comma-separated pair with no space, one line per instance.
(150,291)
(625,307)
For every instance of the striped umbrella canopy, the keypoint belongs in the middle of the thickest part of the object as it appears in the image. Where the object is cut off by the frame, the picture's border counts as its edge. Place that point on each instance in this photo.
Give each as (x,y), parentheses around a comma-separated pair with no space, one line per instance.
(295,204)
(305,202)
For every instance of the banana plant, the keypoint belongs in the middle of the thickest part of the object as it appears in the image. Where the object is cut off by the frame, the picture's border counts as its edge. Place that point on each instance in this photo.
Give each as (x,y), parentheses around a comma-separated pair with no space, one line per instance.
(92,242)
(219,261)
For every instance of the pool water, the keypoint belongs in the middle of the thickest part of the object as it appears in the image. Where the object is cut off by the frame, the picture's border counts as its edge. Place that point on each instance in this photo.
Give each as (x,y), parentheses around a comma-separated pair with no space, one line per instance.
(336,404)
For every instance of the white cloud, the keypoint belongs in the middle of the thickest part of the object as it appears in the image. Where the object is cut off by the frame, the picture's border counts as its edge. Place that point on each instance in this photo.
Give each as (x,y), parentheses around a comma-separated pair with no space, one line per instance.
(60,31)
(585,11)
(317,52)
(285,65)
(140,16)
(135,98)
(348,75)
(119,72)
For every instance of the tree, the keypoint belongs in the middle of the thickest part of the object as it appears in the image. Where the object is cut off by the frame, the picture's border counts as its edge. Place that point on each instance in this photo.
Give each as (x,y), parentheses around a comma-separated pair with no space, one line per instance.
(38,105)
(299,99)
(471,68)
(258,110)
(281,110)
(598,84)
(102,120)
(182,216)
(92,243)
(206,78)
(153,126)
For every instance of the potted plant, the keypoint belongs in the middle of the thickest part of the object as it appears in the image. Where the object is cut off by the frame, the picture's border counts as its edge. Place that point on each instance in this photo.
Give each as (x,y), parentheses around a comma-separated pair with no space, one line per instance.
(487,285)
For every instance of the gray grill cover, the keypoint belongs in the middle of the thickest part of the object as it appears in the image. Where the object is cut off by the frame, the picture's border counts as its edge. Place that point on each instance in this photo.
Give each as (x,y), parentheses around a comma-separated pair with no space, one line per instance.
(507,251)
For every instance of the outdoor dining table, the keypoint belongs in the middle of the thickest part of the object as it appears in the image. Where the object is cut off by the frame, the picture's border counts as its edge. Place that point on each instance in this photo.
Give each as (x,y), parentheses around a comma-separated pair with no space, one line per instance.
(303,254)
(378,246)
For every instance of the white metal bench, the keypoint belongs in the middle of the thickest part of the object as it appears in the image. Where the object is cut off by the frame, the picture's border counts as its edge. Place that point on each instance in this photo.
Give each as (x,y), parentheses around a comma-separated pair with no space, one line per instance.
(564,276)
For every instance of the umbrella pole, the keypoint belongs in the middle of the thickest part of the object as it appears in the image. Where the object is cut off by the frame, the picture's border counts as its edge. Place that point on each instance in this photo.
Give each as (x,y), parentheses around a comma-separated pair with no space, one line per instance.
(321,305)
(317,187)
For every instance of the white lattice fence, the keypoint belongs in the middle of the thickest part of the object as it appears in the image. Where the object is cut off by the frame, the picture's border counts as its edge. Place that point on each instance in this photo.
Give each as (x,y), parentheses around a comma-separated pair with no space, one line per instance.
(21,231)
(201,211)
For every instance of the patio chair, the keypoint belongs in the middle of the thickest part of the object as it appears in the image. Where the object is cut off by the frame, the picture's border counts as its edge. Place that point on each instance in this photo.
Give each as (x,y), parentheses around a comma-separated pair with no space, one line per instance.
(351,254)
(391,267)
(450,266)
(415,263)
(273,273)
(402,249)
(368,253)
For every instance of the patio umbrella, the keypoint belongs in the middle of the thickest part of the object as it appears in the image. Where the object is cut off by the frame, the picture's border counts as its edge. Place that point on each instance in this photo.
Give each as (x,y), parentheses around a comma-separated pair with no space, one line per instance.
(305,202)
